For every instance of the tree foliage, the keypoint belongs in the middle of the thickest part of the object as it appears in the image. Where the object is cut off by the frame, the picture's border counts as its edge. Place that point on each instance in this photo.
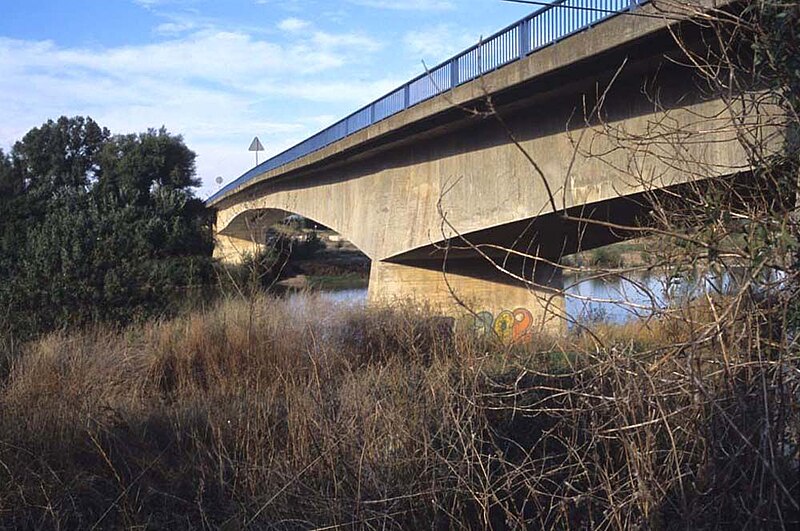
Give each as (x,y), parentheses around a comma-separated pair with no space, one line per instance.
(95,227)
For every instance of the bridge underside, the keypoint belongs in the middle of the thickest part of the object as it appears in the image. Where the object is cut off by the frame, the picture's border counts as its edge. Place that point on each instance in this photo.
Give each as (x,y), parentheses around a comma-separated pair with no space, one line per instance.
(490,276)
(595,138)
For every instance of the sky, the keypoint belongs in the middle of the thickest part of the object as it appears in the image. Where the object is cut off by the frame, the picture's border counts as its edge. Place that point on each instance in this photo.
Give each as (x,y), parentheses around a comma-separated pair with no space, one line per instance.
(219,72)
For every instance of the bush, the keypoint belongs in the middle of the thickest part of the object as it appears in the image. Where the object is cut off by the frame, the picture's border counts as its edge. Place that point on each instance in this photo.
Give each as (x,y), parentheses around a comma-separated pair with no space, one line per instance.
(306,248)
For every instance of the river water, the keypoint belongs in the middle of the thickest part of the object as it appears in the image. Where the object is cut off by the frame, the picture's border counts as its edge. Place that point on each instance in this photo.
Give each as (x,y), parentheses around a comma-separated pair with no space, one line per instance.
(608,298)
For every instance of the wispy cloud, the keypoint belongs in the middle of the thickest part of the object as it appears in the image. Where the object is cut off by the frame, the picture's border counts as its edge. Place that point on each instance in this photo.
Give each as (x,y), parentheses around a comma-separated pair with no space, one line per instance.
(279,69)
(175,28)
(436,43)
(352,92)
(217,87)
(293,24)
(407,5)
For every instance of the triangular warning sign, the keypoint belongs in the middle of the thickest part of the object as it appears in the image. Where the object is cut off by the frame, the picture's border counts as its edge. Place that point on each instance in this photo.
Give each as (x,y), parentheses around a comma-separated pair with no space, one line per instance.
(256,145)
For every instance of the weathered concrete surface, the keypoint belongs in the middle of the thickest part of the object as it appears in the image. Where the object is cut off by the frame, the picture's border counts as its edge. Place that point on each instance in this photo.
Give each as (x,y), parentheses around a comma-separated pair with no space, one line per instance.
(233,250)
(479,298)
(475,178)
(574,117)
(245,235)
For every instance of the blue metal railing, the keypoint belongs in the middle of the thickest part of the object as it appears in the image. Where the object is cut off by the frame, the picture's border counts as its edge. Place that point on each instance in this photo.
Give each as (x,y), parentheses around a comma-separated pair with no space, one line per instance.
(541,28)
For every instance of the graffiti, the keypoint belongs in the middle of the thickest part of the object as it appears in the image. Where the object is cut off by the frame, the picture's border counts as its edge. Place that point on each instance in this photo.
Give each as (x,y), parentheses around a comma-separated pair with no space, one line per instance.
(509,326)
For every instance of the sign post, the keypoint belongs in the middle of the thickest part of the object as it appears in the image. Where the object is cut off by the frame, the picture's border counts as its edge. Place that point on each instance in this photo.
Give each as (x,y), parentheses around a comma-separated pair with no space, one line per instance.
(256,146)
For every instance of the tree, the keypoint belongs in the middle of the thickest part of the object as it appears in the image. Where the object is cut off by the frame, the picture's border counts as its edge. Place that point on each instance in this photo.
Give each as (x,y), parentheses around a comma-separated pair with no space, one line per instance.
(134,166)
(96,227)
(60,154)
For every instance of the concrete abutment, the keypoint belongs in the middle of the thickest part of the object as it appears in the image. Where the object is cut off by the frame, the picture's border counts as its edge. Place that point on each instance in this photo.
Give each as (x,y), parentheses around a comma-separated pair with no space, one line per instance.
(233,250)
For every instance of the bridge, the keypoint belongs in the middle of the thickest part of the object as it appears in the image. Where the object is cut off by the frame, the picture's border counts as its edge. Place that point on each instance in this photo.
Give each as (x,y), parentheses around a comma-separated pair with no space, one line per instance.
(462,175)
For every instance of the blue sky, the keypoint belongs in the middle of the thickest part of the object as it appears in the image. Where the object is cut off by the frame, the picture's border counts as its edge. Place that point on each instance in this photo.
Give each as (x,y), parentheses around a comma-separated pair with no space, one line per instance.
(221,71)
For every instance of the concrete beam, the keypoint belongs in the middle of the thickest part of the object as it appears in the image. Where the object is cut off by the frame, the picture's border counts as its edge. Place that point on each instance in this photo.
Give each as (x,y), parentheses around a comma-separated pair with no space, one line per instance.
(613,38)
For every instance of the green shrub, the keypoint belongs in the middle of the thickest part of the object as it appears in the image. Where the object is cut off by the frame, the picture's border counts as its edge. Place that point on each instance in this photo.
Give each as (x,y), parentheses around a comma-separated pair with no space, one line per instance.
(95,227)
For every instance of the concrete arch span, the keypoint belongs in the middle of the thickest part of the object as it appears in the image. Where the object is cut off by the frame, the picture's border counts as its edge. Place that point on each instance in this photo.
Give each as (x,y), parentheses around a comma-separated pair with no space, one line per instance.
(387,187)
(244,231)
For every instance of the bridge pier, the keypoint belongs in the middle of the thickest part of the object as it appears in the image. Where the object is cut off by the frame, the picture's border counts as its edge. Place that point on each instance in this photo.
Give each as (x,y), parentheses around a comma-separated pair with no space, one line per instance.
(498,303)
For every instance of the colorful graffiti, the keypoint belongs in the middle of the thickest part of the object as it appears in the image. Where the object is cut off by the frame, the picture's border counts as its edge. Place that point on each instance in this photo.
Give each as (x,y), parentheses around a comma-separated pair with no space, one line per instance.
(509,326)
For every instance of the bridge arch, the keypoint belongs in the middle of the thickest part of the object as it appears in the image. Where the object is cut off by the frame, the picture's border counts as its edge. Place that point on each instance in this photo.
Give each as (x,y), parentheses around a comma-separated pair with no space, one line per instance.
(243,229)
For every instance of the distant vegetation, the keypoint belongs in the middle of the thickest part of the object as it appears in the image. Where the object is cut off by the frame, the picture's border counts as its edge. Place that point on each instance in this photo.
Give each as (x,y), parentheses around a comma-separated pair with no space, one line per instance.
(96,227)
(616,255)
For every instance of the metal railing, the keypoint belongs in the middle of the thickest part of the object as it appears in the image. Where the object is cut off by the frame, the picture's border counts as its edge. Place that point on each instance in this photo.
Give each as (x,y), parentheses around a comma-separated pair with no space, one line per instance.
(538,30)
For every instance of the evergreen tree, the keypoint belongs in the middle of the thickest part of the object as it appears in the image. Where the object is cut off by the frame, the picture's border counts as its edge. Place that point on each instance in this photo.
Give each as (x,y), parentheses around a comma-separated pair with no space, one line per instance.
(95,227)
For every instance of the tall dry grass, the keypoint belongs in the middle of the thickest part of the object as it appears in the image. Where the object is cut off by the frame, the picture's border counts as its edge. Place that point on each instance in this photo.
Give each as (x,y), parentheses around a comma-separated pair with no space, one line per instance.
(277,414)
(248,413)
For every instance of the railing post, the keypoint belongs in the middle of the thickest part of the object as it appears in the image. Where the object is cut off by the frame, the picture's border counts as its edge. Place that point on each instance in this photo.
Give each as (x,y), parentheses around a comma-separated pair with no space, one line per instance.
(406,96)
(524,37)
(371,113)
(454,73)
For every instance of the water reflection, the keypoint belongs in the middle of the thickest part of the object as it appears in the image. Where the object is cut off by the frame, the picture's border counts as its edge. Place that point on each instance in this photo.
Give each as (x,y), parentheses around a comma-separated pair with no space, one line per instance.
(347,297)
(619,299)
(611,298)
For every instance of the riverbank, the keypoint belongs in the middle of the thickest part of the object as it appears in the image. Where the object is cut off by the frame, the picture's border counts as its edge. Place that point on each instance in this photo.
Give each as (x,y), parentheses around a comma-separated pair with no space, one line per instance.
(338,265)
(624,254)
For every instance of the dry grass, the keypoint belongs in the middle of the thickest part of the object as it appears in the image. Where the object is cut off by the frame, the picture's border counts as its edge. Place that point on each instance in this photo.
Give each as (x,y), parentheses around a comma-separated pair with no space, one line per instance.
(285,415)
(264,412)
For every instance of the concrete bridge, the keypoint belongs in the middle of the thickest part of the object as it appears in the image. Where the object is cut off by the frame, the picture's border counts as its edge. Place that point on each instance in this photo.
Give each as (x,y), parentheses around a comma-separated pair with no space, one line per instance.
(492,147)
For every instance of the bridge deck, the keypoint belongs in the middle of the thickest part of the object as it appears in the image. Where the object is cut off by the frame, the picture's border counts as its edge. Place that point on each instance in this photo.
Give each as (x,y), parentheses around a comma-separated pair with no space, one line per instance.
(515,44)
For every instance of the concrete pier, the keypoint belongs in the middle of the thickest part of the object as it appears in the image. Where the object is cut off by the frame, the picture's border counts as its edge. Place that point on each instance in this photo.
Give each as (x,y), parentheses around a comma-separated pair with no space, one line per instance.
(476,295)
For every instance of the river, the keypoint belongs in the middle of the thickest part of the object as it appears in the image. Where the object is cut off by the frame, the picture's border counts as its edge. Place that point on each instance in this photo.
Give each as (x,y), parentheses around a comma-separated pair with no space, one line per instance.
(608,298)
